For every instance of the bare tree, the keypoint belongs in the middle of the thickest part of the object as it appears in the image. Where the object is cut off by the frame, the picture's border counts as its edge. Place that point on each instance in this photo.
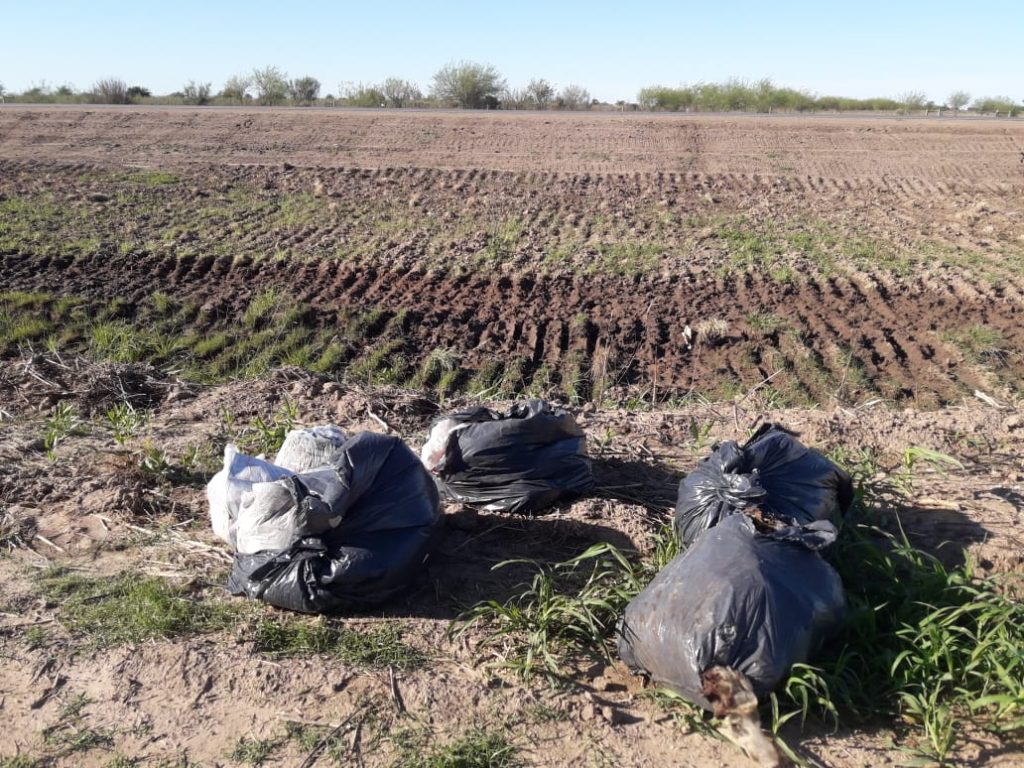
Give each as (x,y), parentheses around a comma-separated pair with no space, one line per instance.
(468,84)
(271,85)
(304,90)
(912,101)
(400,93)
(958,100)
(110,90)
(516,98)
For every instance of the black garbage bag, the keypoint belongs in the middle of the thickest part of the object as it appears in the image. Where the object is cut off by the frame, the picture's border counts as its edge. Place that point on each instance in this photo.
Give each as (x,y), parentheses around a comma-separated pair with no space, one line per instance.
(755,602)
(378,517)
(772,471)
(523,460)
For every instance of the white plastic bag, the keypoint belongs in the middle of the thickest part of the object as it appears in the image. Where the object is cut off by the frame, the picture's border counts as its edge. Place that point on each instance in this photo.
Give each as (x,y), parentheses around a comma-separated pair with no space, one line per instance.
(306,449)
(271,517)
(432,452)
(225,489)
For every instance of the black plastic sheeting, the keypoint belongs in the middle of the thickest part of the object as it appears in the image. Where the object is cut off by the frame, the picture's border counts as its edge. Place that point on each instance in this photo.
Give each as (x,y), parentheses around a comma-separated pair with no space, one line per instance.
(757,603)
(772,471)
(524,460)
(386,515)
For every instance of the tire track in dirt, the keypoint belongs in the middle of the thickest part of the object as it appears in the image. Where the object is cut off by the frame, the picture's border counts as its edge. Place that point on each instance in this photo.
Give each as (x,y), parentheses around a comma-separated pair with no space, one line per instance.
(562,319)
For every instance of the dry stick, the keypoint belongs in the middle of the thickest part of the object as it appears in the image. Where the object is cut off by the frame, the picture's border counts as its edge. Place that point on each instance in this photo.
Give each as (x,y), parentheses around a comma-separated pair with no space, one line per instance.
(751,391)
(399,704)
(315,752)
(380,421)
(47,541)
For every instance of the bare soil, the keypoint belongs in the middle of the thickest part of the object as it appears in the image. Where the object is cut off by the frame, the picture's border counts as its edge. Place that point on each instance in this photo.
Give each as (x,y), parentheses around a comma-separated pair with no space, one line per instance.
(91,511)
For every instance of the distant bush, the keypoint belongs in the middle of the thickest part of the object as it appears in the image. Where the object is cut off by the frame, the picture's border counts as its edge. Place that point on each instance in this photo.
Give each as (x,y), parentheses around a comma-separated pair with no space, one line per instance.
(958,100)
(912,101)
(573,97)
(110,91)
(196,93)
(762,96)
(138,92)
(1000,105)
(468,85)
(361,95)
(304,90)
(400,93)
(271,85)
(540,93)
(236,88)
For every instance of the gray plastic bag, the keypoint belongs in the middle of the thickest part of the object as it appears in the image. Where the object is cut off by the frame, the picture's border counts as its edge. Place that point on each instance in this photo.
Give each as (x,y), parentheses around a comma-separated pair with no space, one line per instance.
(755,602)
(772,471)
(360,531)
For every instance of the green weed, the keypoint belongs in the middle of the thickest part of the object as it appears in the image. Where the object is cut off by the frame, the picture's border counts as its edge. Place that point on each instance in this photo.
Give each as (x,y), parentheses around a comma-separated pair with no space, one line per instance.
(254,751)
(980,344)
(63,423)
(938,649)
(477,748)
(260,309)
(129,608)
(267,436)
(372,648)
(124,421)
(567,608)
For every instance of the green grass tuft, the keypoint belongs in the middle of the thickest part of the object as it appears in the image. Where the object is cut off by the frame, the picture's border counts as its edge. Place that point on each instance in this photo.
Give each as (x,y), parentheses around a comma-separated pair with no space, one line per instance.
(477,748)
(128,608)
(370,648)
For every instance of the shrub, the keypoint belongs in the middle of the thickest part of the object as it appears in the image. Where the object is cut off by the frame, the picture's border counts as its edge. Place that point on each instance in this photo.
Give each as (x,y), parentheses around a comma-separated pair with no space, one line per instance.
(468,85)
(304,90)
(236,88)
(540,93)
(196,93)
(911,101)
(996,104)
(138,92)
(110,91)
(271,85)
(574,97)
(364,96)
(958,100)
(399,93)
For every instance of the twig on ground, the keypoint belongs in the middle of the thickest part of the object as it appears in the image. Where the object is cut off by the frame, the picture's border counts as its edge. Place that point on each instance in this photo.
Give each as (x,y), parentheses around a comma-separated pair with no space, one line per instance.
(47,541)
(322,744)
(395,694)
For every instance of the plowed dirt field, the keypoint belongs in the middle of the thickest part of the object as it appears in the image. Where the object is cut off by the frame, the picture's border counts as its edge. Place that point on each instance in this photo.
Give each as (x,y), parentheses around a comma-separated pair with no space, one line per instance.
(844,258)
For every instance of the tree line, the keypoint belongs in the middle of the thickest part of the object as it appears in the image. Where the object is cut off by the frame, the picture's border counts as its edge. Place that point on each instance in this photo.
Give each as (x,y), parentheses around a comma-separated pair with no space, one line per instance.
(471,85)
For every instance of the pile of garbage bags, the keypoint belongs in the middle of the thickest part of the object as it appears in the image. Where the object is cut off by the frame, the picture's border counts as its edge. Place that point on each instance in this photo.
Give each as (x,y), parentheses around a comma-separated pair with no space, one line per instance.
(335,524)
(772,471)
(341,523)
(750,591)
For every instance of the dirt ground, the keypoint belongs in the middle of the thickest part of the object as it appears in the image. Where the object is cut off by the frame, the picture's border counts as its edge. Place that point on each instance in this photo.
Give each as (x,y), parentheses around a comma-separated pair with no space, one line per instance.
(851,264)
(198,696)
(824,152)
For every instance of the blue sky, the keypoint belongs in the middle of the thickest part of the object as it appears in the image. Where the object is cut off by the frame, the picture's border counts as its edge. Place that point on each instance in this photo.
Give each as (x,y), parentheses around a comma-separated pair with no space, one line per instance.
(859,49)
